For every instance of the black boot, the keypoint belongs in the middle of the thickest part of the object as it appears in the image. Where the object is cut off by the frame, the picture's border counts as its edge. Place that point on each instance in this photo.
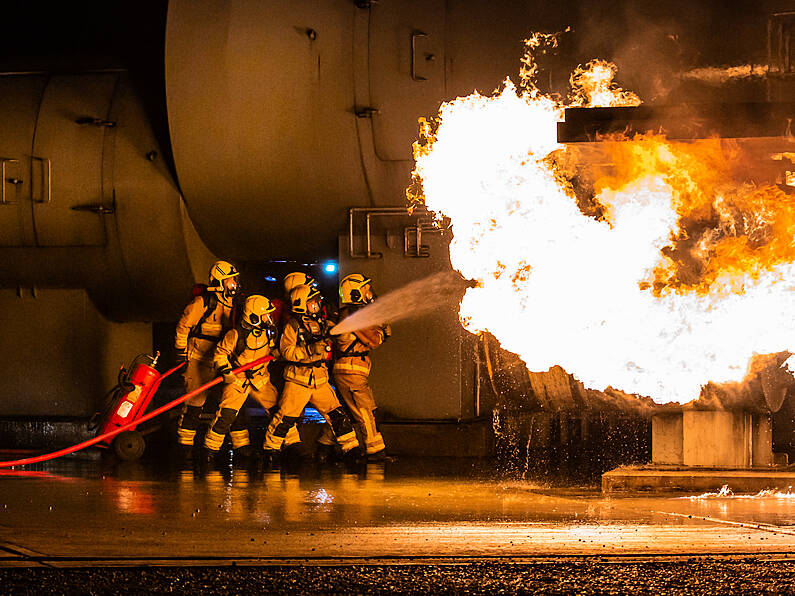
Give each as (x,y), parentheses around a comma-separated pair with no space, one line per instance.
(242,456)
(377,457)
(354,457)
(185,454)
(326,454)
(270,459)
(209,457)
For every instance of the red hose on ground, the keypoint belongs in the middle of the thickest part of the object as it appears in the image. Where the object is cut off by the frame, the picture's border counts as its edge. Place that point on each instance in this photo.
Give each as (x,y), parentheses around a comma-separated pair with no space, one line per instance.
(149,416)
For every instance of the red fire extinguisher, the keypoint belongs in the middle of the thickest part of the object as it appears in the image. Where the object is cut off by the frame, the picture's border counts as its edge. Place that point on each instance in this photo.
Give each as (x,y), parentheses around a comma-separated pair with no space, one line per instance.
(127,402)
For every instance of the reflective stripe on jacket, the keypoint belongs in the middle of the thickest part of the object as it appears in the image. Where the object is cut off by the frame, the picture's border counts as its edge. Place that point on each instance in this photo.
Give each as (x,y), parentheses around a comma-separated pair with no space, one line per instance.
(352,353)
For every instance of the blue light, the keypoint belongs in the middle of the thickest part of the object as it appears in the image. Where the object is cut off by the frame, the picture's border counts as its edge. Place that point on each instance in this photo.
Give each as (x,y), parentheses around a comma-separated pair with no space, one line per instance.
(270,278)
(330,267)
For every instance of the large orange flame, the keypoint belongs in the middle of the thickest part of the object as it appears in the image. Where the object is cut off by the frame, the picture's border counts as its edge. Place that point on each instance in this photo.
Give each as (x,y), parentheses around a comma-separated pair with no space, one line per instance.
(673,273)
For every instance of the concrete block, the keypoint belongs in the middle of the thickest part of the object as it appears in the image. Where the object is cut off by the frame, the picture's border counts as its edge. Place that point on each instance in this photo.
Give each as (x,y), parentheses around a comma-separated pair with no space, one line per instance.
(762,438)
(673,479)
(667,439)
(714,438)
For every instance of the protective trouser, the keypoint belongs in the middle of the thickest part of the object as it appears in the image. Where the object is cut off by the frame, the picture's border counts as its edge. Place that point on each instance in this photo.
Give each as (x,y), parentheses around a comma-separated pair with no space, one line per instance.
(358,398)
(322,397)
(197,373)
(227,419)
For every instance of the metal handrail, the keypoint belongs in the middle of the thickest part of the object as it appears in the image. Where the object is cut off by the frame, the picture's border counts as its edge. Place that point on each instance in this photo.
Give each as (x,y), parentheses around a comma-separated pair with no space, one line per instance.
(414,35)
(3,200)
(49,177)
(369,213)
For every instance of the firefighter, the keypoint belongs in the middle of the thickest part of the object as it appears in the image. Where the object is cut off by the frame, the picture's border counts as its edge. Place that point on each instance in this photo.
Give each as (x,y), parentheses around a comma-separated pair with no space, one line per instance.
(291,281)
(295,279)
(252,339)
(352,363)
(306,349)
(203,323)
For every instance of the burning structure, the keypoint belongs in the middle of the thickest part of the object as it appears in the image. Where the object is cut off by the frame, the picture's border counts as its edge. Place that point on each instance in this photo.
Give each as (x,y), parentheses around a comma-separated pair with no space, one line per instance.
(630,257)
(653,264)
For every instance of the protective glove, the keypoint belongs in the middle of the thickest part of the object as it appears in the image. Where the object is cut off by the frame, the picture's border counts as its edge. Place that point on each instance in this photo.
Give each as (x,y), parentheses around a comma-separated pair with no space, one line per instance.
(226,373)
(321,348)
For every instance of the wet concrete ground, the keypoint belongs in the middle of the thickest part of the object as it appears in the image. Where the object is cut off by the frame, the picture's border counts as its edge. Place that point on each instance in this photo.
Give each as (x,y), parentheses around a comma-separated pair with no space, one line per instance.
(412,519)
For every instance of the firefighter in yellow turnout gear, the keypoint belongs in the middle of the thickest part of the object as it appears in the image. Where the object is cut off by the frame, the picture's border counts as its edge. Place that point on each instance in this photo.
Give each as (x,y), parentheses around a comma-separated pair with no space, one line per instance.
(202,325)
(352,362)
(253,339)
(306,350)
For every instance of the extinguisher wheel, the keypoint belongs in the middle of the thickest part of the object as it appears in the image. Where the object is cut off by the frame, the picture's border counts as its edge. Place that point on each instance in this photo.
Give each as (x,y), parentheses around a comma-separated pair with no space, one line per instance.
(129,445)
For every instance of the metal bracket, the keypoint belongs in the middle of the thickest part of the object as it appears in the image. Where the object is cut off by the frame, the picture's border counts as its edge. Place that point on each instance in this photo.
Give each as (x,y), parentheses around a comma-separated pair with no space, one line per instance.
(365,3)
(3,200)
(83,120)
(95,208)
(366,112)
(418,249)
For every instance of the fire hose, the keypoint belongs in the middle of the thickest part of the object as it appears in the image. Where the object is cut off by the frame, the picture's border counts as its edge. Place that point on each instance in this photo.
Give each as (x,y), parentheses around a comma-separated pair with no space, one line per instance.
(149,416)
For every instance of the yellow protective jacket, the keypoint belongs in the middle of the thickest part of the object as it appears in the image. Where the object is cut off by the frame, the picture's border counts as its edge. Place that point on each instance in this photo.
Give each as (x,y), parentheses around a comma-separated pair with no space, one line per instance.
(198,334)
(351,350)
(241,346)
(306,360)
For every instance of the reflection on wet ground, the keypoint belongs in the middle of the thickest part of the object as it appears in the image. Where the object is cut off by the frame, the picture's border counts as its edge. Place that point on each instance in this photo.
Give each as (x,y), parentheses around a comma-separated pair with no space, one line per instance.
(89,511)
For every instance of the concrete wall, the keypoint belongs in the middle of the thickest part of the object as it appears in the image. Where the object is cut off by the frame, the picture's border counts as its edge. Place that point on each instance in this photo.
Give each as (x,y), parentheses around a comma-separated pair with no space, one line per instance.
(60,355)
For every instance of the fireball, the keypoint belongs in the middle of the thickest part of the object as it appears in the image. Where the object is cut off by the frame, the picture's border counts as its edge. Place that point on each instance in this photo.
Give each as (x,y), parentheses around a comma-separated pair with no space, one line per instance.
(672,273)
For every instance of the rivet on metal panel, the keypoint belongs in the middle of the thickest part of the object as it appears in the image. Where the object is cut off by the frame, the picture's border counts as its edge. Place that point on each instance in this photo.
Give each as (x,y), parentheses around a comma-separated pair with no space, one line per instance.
(311,34)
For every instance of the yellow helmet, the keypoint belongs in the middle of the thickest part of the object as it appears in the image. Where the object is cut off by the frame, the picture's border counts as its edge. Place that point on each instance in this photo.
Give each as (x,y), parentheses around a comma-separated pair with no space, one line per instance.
(256,311)
(351,289)
(300,298)
(220,271)
(297,278)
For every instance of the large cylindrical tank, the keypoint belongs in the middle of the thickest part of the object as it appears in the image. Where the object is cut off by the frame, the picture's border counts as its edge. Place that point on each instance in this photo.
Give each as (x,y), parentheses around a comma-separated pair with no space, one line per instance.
(87,200)
(285,114)
(282,115)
